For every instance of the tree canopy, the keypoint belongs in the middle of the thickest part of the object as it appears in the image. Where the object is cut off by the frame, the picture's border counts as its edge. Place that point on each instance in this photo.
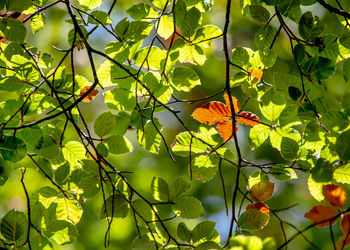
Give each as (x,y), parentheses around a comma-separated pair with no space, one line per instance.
(174,124)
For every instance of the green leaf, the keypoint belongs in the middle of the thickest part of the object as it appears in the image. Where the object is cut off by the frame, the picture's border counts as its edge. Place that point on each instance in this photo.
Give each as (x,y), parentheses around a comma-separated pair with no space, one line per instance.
(90,4)
(12,149)
(14,226)
(62,173)
(122,123)
(143,243)
(188,207)
(322,172)
(208,245)
(269,243)
(246,242)
(183,144)
(240,56)
(179,186)
(37,22)
(192,54)
(183,232)
(258,135)
(116,205)
(252,220)
(204,167)
(31,136)
(149,137)
(342,146)
(68,210)
(203,230)
(166,27)
(4,173)
(160,189)
(120,99)
(150,58)
(104,123)
(259,13)
(342,174)
(141,11)
(118,144)
(310,28)
(315,188)
(100,17)
(207,32)
(191,22)
(335,120)
(256,177)
(143,209)
(281,172)
(184,79)
(272,104)
(289,148)
(17,5)
(135,31)
(102,149)
(159,3)
(73,152)
(90,185)
(264,37)
(13,30)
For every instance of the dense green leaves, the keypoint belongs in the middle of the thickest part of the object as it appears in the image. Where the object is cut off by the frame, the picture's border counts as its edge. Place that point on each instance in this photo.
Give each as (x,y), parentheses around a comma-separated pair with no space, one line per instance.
(159,61)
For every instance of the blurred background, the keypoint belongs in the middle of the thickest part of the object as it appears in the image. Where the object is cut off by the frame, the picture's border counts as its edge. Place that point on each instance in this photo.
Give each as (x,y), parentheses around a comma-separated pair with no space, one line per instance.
(145,165)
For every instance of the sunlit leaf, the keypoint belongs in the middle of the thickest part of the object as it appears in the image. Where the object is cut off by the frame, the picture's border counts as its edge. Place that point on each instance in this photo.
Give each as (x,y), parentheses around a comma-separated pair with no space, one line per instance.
(261,207)
(252,220)
(334,194)
(322,215)
(262,191)
(90,96)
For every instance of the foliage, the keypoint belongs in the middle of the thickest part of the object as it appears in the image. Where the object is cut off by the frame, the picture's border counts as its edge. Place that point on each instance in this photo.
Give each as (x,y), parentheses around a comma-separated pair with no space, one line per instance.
(156,58)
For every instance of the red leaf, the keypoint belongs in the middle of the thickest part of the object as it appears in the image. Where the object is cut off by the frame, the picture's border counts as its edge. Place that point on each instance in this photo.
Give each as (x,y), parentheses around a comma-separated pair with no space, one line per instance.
(321,215)
(234,101)
(90,96)
(211,113)
(225,130)
(248,118)
(334,194)
(262,191)
(345,224)
(261,207)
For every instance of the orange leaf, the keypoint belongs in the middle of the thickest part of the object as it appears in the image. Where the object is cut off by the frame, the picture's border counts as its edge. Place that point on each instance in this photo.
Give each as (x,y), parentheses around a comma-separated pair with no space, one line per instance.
(261,207)
(262,191)
(90,96)
(234,101)
(341,244)
(2,40)
(211,113)
(345,224)
(248,118)
(257,73)
(334,194)
(225,130)
(321,215)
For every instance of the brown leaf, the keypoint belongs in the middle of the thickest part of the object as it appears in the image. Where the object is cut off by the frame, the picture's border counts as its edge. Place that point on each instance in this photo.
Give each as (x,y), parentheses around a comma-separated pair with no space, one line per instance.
(341,244)
(262,191)
(261,207)
(225,130)
(345,224)
(321,215)
(334,194)
(248,118)
(211,113)
(90,96)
